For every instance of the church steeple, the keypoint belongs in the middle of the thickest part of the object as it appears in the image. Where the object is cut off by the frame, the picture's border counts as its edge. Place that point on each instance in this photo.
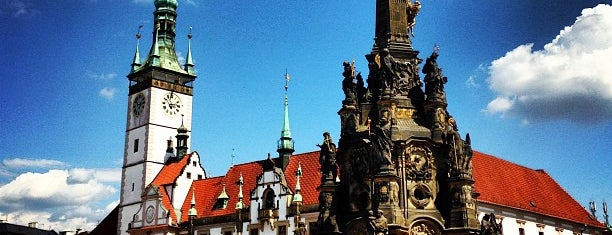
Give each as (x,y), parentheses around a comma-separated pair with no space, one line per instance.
(285,143)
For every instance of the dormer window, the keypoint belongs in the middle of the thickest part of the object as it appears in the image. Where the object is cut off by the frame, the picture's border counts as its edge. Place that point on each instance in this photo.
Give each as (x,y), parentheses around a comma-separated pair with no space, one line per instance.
(222,200)
(268,199)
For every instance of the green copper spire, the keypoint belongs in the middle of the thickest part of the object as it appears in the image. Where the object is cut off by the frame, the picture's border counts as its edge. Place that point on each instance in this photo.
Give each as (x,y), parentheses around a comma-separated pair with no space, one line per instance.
(136,62)
(285,144)
(189,63)
(163,53)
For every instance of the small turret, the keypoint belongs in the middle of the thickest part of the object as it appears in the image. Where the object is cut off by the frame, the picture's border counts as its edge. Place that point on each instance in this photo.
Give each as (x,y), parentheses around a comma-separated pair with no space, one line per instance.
(240,204)
(192,213)
(181,140)
(169,150)
(297,198)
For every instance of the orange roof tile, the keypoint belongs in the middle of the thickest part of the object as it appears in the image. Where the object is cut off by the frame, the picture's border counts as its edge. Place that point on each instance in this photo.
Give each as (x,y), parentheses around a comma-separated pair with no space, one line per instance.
(311,176)
(171,171)
(168,175)
(504,183)
(207,190)
(493,178)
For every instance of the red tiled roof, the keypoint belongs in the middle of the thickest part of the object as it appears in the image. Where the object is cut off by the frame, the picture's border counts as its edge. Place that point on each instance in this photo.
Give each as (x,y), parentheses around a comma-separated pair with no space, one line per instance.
(207,190)
(165,199)
(494,177)
(168,175)
(171,171)
(504,183)
(311,176)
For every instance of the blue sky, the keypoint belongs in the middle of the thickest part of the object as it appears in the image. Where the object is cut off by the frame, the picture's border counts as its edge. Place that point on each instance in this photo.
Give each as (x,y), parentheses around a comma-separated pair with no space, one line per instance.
(529,80)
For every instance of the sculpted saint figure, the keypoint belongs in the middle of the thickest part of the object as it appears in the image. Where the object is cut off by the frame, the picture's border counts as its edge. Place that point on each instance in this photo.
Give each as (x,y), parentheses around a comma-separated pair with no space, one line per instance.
(411,11)
(327,157)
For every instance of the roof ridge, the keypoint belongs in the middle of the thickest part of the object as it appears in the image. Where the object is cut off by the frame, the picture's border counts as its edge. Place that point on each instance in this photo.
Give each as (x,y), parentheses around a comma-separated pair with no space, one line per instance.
(501,159)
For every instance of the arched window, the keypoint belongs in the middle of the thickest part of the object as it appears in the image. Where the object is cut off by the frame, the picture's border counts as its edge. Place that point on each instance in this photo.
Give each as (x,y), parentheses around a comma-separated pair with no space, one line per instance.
(268,199)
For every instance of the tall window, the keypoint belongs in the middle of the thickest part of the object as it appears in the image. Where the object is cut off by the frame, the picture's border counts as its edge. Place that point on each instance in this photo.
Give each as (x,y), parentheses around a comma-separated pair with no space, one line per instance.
(136,145)
(268,199)
(253,231)
(521,231)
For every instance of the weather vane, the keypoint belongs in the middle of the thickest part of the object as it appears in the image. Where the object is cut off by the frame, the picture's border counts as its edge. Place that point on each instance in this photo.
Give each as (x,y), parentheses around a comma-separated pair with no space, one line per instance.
(138,34)
(286,79)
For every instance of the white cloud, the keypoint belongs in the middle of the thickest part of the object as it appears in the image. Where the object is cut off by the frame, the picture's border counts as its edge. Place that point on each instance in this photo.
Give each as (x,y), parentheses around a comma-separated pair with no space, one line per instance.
(471,82)
(101,76)
(18,9)
(101,175)
(569,79)
(60,199)
(108,93)
(180,57)
(20,163)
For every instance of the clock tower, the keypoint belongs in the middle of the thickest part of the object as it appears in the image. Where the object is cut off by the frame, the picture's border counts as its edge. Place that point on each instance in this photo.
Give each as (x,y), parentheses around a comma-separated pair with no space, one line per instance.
(159,102)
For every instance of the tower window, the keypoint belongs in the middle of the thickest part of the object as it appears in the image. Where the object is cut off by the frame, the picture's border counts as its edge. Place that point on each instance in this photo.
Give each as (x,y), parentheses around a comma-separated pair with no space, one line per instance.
(521,231)
(268,198)
(195,163)
(188,175)
(132,187)
(136,145)
(199,176)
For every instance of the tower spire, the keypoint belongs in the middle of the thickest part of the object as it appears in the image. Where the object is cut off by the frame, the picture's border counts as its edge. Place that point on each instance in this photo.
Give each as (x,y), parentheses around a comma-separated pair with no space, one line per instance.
(163,53)
(136,62)
(285,143)
(189,62)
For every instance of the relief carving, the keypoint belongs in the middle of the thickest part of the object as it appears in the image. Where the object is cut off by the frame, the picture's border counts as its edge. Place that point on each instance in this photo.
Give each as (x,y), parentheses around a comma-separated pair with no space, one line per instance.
(419,163)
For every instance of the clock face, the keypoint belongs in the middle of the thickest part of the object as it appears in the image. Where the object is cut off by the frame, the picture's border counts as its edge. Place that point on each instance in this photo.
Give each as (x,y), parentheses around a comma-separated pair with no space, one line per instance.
(150,213)
(171,104)
(138,105)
